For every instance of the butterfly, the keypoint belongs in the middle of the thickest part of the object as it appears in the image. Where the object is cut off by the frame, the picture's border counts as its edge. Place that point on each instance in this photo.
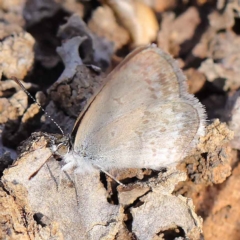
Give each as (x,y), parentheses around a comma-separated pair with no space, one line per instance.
(142,117)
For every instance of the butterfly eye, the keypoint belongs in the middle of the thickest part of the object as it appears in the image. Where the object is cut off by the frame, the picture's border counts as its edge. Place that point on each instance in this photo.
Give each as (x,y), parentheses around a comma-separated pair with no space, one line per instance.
(62,149)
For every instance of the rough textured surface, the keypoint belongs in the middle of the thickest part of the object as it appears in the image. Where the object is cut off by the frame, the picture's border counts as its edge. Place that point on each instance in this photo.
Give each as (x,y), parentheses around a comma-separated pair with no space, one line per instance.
(159,205)
(225,209)
(77,205)
(16,57)
(95,50)
(108,27)
(130,13)
(77,82)
(15,131)
(203,35)
(18,223)
(171,35)
(232,116)
(73,206)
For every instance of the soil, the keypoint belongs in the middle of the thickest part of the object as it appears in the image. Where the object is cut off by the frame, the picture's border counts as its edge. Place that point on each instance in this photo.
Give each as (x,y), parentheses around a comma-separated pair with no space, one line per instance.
(62,52)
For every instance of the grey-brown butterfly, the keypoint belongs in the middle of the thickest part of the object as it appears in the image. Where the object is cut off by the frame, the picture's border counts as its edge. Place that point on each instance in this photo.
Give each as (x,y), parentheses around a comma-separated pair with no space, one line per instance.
(143,117)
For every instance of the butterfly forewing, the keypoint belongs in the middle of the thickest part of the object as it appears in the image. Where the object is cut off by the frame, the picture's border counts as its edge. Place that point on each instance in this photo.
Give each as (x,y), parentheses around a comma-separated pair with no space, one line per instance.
(143,116)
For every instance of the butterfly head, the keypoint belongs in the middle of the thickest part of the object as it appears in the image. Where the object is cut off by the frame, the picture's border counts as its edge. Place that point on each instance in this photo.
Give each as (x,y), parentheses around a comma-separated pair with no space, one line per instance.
(61,144)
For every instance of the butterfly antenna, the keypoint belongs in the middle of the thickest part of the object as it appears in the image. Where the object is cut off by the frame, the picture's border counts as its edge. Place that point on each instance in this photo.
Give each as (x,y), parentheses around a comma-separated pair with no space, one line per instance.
(39,105)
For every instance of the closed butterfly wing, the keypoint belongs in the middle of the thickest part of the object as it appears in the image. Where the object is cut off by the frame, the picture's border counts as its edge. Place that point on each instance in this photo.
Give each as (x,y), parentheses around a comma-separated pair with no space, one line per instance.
(143,117)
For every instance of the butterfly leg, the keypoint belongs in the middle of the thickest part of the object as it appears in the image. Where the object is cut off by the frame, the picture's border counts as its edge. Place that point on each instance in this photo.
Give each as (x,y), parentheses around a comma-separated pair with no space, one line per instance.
(60,179)
(111,176)
(52,176)
(72,180)
(75,187)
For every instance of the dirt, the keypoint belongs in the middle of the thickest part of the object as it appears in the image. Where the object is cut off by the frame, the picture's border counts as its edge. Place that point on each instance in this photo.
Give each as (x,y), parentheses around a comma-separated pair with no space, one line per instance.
(62,51)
